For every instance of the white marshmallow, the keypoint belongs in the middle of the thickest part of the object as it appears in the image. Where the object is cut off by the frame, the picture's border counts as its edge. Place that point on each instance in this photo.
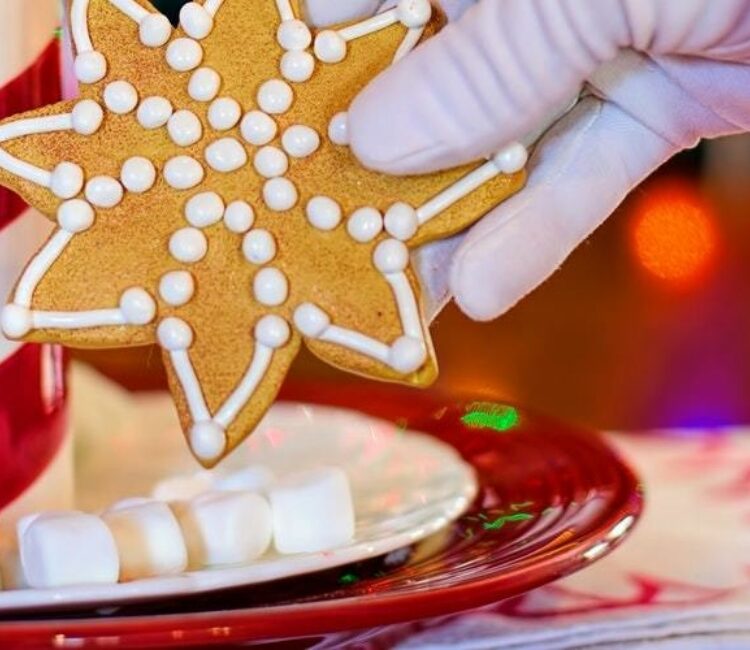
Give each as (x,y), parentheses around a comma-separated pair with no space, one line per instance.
(312,511)
(255,478)
(185,486)
(149,539)
(224,528)
(61,549)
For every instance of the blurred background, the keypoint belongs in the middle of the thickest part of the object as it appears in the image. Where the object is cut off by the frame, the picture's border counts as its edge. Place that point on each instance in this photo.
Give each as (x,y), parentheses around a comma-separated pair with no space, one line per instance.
(645,326)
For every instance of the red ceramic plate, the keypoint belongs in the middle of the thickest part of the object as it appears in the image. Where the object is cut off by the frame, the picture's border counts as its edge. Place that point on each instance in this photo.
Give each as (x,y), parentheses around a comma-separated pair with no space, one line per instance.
(553,499)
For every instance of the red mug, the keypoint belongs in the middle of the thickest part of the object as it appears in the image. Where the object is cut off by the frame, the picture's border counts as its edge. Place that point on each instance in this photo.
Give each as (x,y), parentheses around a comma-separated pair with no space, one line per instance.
(35,461)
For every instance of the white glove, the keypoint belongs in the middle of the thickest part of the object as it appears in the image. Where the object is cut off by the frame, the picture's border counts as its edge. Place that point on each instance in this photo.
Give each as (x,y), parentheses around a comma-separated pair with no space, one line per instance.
(663,73)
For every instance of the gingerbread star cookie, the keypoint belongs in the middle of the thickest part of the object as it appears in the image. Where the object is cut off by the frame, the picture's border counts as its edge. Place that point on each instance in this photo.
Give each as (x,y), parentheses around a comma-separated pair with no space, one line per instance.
(206,200)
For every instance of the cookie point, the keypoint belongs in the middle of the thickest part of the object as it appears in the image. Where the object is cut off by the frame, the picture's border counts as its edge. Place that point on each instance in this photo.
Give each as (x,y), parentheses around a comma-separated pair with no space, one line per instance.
(272,331)
(407,355)
(414,14)
(75,216)
(155,30)
(174,334)
(196,21)
(311,320)
(512,159)
(391,256)
(16,321)
(66,180)
(137,306)
(207,440)
(90,67)
(330,46)
(401,221)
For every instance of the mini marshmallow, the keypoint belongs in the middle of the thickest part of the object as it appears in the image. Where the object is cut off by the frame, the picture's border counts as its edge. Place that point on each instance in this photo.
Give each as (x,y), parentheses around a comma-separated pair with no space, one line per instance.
(255,478)
(148,538)
(61,549)
(312,511)
(224,528)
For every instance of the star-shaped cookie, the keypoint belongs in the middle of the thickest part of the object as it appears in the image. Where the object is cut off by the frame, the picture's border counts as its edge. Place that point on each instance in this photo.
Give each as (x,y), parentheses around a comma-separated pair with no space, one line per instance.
(206,200)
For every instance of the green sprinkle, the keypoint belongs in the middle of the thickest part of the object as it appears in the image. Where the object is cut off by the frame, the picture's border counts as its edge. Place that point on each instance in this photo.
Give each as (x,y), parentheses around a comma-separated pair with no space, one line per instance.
(58,32)
(500,522)
(486,415)
(348,579)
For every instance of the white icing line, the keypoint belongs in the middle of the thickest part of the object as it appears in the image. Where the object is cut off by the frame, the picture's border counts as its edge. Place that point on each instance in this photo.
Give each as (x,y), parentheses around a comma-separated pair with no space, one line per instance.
(79,24)
(77,319)
(31,126)
(39,266)
(407,305)
(356,341)
(213,6)
(131,9)
(241,396)
(190,385)
(411,40)
(370,25)
(457,191)
(285,10)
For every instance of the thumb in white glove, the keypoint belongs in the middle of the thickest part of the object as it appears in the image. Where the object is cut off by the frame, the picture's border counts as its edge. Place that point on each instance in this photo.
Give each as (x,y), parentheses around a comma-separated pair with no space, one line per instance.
(663,73)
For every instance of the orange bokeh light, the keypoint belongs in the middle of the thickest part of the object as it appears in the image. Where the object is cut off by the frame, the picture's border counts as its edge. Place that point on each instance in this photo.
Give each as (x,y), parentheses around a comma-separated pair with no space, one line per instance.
(673,234)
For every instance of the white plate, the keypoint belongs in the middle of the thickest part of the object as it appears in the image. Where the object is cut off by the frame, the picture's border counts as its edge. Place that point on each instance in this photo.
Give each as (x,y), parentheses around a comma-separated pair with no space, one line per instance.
(406,486)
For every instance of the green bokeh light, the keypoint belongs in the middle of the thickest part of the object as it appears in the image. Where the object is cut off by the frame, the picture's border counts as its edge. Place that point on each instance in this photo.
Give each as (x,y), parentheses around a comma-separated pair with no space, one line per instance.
(487,415)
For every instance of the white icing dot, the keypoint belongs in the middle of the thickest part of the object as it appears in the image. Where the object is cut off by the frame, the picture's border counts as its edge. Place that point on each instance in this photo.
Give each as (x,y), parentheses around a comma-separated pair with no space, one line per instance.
(137,306)
(311,320)
(207,440)
(323,212)
(204,84)
(154,112)
(155,30)
(188,245)
(407,355)
(259,246)
(183,172)
(176,288)
(414,13)
(391,256)
(330,46)
(204,209)
(104,191)
(120,97)
(275,96)
(67,180)
(195,20)
(338,129)
(365,224)
(293,35)
(90,67)
(512,159)
(401,221)
(271,162)
(280,194)
(87,117)
(239,217)
(300,141)
(184,54)
(258,128)
(271,287)
(297,66)
(272,331)
(138,174)
(75,216)
(16,321)
(224,113)
(185,128)
(174,334)
(226,155)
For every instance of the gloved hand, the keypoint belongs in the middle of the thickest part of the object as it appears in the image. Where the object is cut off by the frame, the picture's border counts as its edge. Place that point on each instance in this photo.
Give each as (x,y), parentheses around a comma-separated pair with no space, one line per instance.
(663,74)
